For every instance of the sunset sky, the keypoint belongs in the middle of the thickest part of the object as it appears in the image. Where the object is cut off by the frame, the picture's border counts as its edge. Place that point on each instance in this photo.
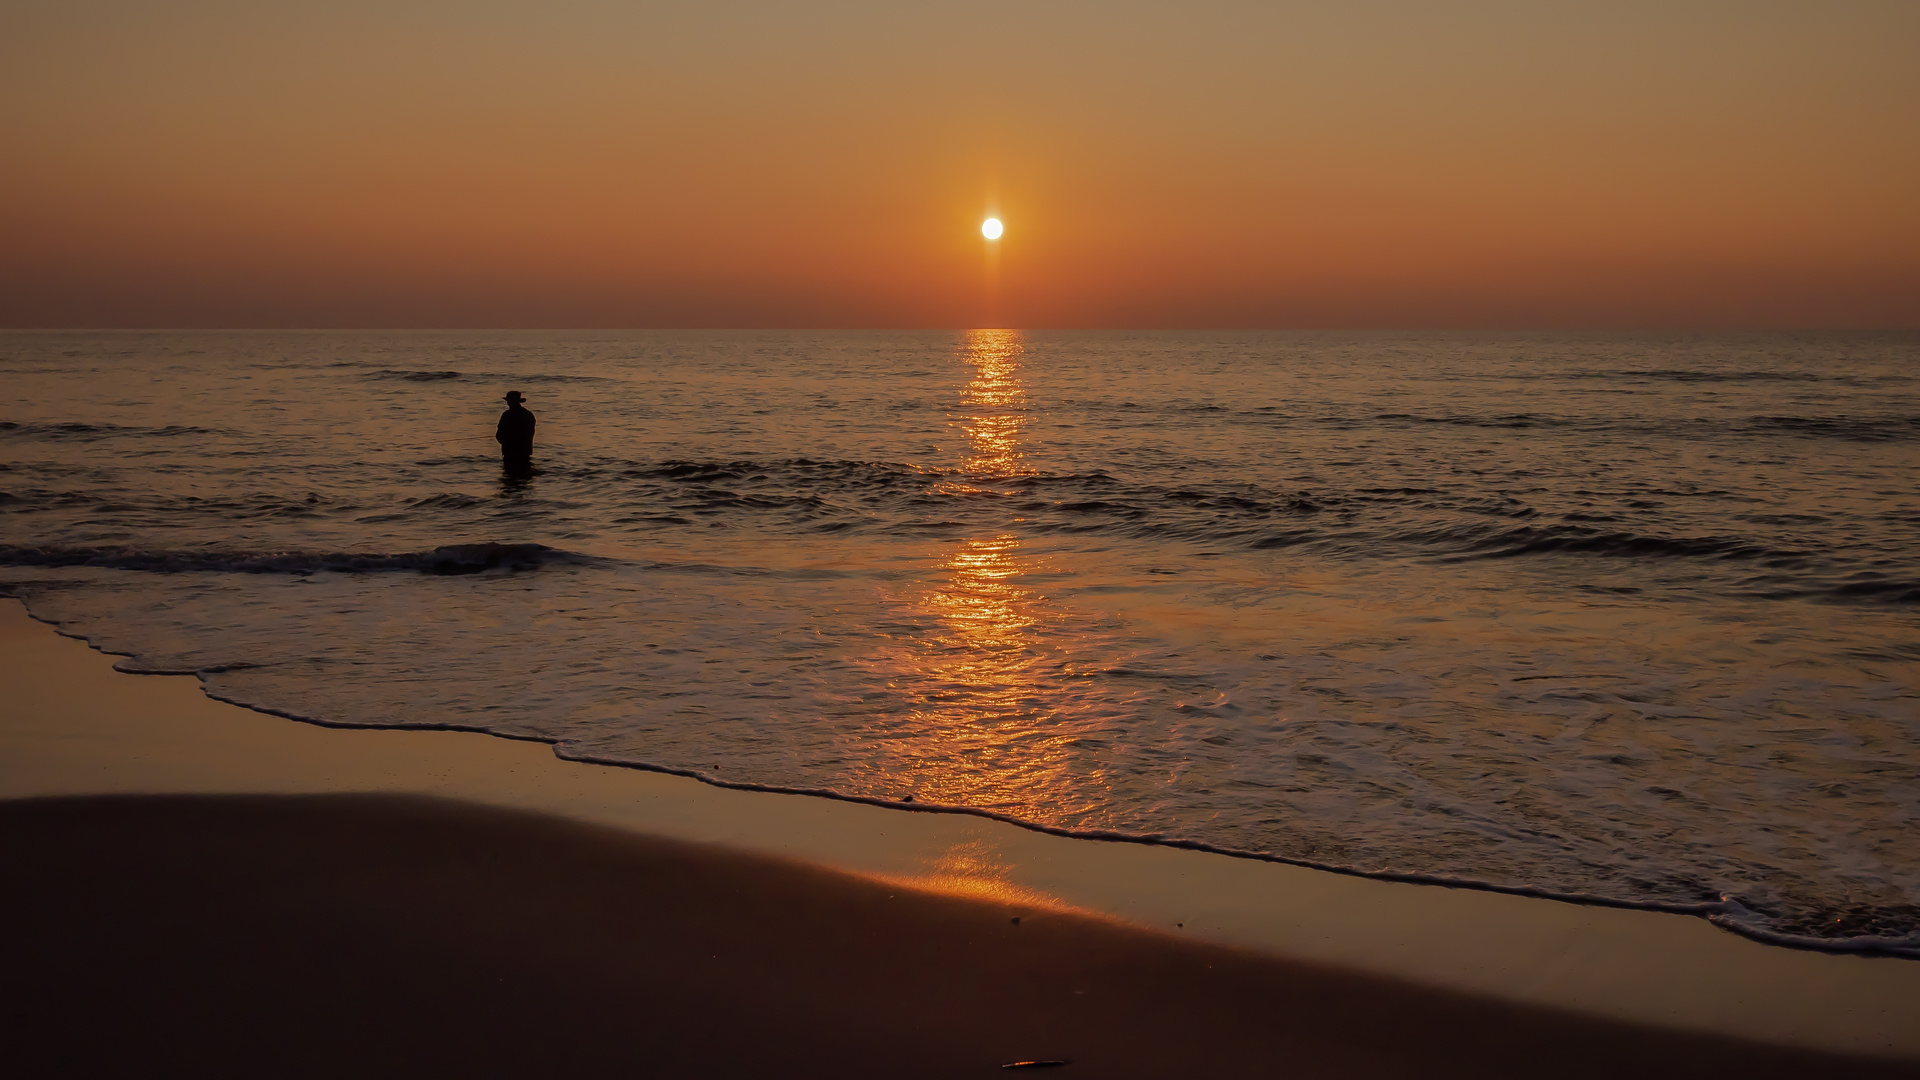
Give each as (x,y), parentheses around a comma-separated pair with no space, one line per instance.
(584,163)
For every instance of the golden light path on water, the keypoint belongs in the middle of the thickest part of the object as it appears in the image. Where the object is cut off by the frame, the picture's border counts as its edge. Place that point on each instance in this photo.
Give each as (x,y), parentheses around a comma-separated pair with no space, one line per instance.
(992,413)
(990,656)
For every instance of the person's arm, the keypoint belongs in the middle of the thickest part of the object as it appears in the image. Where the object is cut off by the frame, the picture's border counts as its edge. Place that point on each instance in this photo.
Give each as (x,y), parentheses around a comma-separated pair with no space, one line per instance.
(500,430)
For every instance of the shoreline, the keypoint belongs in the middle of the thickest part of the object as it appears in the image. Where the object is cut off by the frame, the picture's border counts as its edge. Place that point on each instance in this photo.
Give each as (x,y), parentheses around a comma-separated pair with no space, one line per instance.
(81,729)
(1704,909)
(373,934)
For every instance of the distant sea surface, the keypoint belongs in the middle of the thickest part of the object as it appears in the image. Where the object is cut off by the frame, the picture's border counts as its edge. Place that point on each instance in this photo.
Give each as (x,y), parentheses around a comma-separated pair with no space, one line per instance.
(1623,617)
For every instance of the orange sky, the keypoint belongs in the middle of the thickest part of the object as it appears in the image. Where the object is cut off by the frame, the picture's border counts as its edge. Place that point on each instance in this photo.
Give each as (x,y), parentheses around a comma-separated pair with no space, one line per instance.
(586,163)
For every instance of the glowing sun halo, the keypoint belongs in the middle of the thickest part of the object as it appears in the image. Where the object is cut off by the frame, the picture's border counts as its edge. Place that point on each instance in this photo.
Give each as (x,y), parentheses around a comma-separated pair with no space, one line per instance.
(991,229)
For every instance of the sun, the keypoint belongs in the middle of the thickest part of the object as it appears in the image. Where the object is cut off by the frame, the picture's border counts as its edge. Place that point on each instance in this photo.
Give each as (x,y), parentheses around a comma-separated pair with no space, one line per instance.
(991,229)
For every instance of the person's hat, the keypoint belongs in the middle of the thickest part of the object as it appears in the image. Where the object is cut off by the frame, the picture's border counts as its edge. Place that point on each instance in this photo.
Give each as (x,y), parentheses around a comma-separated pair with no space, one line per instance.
(513,395)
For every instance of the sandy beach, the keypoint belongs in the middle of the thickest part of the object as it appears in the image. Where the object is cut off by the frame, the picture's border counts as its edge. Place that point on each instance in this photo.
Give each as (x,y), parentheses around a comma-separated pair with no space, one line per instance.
(386,935)
(219,892)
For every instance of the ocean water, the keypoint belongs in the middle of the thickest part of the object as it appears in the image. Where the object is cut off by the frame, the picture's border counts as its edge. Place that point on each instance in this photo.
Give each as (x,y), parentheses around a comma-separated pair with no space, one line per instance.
(1631,618)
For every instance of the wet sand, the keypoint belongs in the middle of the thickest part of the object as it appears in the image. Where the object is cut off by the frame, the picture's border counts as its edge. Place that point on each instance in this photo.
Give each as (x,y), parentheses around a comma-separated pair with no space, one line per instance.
(592,918)
(403,936)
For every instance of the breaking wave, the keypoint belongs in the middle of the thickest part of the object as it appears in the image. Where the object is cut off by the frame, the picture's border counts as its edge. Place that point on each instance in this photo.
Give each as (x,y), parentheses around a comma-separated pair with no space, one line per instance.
(449,559)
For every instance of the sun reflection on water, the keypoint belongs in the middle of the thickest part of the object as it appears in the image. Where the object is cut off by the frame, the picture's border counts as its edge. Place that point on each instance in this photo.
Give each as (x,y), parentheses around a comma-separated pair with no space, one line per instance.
(987,668)
(994,411)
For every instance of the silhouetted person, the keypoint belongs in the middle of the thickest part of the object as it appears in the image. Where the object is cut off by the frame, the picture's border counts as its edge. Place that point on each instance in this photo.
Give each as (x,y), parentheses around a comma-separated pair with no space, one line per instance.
(515,434)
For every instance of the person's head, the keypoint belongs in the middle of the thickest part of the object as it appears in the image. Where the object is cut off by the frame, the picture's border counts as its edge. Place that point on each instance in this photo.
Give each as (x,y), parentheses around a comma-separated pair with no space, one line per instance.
(513,398)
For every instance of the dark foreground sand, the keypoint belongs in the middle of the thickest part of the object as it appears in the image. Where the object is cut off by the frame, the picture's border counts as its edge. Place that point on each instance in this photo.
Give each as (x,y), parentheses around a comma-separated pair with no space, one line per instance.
(384,935)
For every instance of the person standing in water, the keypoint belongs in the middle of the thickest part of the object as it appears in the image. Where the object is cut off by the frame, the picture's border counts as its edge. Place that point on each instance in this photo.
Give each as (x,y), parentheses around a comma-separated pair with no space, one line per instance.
(515,434)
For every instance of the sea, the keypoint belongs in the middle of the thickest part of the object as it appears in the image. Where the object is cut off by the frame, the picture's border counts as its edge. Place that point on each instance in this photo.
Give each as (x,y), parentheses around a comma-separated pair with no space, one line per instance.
(1623,619)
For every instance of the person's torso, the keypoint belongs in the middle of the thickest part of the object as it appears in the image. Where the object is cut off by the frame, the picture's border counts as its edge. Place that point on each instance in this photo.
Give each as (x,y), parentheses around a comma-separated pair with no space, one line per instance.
(517,421)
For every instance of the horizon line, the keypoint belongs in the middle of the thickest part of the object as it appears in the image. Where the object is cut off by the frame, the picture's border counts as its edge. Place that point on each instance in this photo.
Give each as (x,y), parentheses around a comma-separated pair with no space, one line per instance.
(1685,329)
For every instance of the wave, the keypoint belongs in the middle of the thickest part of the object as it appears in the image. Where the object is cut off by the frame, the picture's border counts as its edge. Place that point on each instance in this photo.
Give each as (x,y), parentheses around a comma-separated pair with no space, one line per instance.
(1866,928)
(1408,521)
(447,559)
(1883,592)
(448,374)
(748,469)
(1688,375)
(1691,375)
(1720,375)
(1850,428)
(1750,554)
(1578,539)
(416,376)
(540,377)
(78,432)
(1506,420)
